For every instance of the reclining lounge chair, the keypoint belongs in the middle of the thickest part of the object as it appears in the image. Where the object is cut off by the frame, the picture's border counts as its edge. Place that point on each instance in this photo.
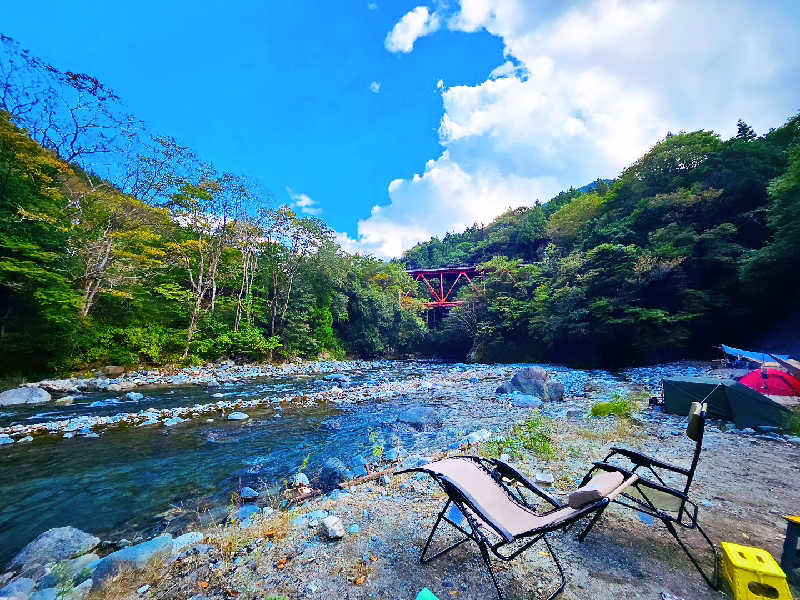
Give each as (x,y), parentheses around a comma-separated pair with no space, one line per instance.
(652,493)
(494,512)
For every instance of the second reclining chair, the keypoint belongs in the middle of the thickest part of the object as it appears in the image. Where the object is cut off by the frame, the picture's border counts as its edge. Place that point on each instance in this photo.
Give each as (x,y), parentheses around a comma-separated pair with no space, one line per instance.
(654,494)
(495,511)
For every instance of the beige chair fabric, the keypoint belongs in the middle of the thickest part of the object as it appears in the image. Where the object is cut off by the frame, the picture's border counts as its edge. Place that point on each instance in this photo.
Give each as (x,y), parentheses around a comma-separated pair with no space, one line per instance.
(511,518)
(598,487)
(506,515)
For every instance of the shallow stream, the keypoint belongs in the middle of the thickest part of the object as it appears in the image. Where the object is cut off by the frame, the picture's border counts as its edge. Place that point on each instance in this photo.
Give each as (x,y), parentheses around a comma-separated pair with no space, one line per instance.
(131,480)
(119,483)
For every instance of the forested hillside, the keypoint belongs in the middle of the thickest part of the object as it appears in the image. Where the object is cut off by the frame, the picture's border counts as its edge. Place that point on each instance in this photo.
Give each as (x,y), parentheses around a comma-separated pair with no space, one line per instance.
(119,246)
(696,243)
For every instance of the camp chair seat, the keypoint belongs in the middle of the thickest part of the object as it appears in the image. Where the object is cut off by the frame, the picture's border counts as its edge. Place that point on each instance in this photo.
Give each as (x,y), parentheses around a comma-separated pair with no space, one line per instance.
(497,515)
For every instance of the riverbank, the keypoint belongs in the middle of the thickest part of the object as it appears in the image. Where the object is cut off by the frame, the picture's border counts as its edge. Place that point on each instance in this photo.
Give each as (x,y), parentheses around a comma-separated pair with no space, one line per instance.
(420,411)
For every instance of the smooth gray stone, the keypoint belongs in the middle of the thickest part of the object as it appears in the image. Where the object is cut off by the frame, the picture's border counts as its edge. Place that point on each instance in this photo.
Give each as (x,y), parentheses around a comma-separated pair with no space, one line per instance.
(187,539)
(53,545)
(24,395)
(134,557)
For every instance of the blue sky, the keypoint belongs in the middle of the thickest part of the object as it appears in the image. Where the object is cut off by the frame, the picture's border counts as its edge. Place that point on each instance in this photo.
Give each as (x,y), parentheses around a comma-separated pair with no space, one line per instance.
(280,91)
(394,121)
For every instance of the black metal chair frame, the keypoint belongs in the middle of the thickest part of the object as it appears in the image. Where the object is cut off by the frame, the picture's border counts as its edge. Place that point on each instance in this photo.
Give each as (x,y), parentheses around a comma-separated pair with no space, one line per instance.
(499,470)
(686,518)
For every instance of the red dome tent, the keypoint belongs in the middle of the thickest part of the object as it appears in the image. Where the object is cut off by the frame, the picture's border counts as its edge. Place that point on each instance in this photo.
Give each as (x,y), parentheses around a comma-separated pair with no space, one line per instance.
(772,383)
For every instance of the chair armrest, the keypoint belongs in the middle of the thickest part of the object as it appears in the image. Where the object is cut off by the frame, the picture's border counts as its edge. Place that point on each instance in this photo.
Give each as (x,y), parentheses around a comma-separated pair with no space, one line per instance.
(646,461)
(506,470)
(603,466)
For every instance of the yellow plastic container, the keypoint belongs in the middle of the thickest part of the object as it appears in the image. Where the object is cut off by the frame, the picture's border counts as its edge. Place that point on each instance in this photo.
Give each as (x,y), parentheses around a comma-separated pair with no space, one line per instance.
(752,574)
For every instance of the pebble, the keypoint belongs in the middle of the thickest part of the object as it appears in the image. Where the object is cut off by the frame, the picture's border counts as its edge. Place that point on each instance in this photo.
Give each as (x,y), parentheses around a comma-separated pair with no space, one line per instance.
(238,416)
(248,493)
(334,528)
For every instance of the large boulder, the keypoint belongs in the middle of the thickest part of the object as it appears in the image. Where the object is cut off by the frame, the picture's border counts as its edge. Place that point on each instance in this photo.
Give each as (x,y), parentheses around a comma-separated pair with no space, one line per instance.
(334,471)
(113,371)
(133,557)
(421,418)
(54,545)
(24,395)
(60,386)
(533,381)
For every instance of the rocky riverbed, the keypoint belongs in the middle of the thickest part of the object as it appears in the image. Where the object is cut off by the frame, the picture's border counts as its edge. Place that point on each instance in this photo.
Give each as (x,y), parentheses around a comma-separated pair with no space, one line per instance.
(381,416)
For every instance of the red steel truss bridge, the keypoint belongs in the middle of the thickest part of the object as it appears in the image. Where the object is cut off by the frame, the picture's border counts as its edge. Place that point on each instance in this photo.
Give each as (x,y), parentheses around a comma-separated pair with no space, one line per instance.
(441,283)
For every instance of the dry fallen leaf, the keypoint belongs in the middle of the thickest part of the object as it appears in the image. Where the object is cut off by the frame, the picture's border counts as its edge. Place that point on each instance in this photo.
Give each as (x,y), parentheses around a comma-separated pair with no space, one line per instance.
(360,580)
(203,584)
(373,558)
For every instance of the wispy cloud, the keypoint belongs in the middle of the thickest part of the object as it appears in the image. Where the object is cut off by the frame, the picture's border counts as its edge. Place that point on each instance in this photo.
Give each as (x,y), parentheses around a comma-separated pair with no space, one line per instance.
(414,25)
(304,203)
(375,87)
(372,6)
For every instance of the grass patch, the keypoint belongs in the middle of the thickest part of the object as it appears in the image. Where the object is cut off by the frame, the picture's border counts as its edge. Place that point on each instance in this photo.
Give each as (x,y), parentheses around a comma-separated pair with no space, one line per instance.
(534,436)
(230,538)
(622,430)
(120,585)
(618,406)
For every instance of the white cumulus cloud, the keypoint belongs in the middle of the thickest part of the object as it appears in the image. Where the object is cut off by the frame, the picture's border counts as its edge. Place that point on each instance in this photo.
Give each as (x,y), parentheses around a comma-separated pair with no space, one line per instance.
(303,203)
(414,25)
(583,91)
(375,87)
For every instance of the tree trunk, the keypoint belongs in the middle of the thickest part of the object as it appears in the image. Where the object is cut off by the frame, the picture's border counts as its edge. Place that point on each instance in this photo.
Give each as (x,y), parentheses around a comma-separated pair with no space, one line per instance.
(274,307)
(193,323)
(242,288)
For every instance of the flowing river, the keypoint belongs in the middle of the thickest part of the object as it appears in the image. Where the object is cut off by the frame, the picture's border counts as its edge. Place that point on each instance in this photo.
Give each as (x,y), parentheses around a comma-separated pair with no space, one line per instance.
(121,483)
(133,480)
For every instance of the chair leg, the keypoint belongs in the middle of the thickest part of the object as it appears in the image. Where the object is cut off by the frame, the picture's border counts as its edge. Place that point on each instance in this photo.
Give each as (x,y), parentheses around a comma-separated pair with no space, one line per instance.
(591,524)
(560,569)
(488,562)
(713,581)
(425,560)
